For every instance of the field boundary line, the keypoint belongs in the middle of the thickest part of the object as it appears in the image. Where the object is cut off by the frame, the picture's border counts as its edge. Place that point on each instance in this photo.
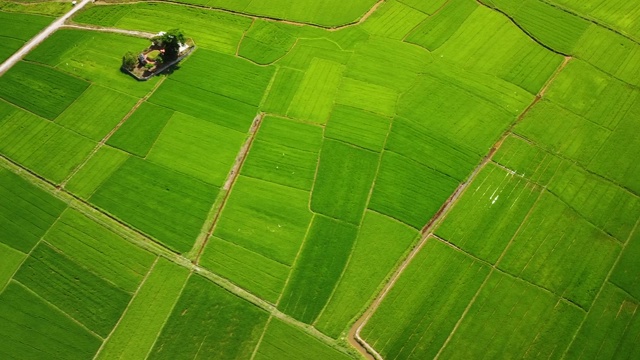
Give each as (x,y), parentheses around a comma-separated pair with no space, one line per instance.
(264,331)
(233,175)
(244,33)
(404,38)
(86,27)
(67,315)
(604,283)
(126,310)
(106,138)
(355,22)
(164,323)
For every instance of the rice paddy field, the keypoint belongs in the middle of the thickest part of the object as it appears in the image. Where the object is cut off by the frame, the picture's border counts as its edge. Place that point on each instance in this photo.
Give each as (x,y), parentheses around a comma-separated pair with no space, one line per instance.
(393,179)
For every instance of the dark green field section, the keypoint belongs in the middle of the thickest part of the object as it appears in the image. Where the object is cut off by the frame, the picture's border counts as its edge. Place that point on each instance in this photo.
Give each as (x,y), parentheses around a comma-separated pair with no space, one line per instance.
(209,323)
(57,335)
(147,196)
(40,89)
(27,212)
(138,134)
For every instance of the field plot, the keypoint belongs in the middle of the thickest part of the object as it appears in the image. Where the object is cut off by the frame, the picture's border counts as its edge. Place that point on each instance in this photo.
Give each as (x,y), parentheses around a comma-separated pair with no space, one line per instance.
(285,152)
(318,268)
(393,20)
(199,148)
(611,330)
(267,41)
(513,319)
(143,320)
(165,204)
(214,30)
(142,128)
(39,89)
(283,341)
(619,14)
(209,323)
(528,160)
(626,274)
(344,180)
(562,252)
(380,243)
(358,127)
(424,305)
(365,96)
(489,213)
(98,169)
(26,212)
(94,247)
(59,337)
(17,29)
(11,260)
(96,112)
(437,29)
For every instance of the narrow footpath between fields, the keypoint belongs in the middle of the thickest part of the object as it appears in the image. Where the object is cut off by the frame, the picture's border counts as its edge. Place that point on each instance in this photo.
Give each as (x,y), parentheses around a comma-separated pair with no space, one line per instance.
(36,40)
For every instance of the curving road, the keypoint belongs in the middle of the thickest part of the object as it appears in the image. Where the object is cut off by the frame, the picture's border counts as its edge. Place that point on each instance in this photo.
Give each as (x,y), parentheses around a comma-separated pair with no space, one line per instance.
(36,40)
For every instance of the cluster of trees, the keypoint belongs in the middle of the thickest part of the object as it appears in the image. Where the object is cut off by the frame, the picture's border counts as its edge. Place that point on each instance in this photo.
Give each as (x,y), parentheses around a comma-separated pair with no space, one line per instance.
(170,41)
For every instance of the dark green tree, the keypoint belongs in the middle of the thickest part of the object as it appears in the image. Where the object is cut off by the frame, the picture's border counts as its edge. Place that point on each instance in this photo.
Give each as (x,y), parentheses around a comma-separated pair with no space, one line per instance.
(170,41)
(129,60)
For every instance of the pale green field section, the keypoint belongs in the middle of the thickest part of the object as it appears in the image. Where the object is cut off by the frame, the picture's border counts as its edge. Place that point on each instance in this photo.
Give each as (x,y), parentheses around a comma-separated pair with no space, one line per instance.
(394,20)
(147,313)
(11,260)
(96,171)
(266,41)
(138,134)
(626,275)
(358,127)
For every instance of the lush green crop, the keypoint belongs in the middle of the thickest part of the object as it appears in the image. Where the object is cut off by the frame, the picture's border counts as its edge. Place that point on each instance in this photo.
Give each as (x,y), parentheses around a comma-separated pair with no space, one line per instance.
(26,212)
(358,127)
(17,29)
(437,29)
(314,98)
(267,41)
(393,20)
(11,261)
(96,171)
(626,274)
(141,129)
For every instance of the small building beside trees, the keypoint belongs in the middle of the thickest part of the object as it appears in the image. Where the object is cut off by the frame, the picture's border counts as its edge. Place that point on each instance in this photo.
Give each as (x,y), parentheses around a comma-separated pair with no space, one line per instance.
(166,50)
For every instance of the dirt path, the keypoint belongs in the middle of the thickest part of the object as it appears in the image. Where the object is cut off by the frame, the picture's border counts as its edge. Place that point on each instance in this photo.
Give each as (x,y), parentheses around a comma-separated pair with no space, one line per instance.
(135,33)
(40,37)
(354,337)
(228,184)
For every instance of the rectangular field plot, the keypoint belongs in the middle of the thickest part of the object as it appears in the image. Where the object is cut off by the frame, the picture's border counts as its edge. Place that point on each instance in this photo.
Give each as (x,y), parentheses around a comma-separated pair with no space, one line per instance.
(528,160)
(318,268)
(626,274)
(608,206)
(17,29)
(143,320)
(142,128)
(489,213)
(344,180)
(93,56)
(393,20)
(423,306)
(496,46)
(11,261)
(586,91)
(560,131)
(214,30)
(365,96)
(197,148)
(209,323)
(165,204)
(285,152)
(40,145)
(284,87)
(258,274)
(267,41)
(358,127)
(380,243)
(330,13)
(315,96)
(611,330)
(96,112)
(95,247)
(560,251)
(88,298)
(96,171)
(513,319)
(438,28)
(283,341)
(26,212)
(191,100)
(408,191)
(266,218)
(306,52)
(57,337)
(39,89)
(225,75)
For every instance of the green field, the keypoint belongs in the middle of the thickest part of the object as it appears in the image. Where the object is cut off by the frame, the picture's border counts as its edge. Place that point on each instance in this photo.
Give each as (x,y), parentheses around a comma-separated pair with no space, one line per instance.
(327,179)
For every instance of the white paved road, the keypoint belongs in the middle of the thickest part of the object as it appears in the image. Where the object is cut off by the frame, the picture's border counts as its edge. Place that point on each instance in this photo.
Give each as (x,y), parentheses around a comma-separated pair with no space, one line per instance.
(36,40)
